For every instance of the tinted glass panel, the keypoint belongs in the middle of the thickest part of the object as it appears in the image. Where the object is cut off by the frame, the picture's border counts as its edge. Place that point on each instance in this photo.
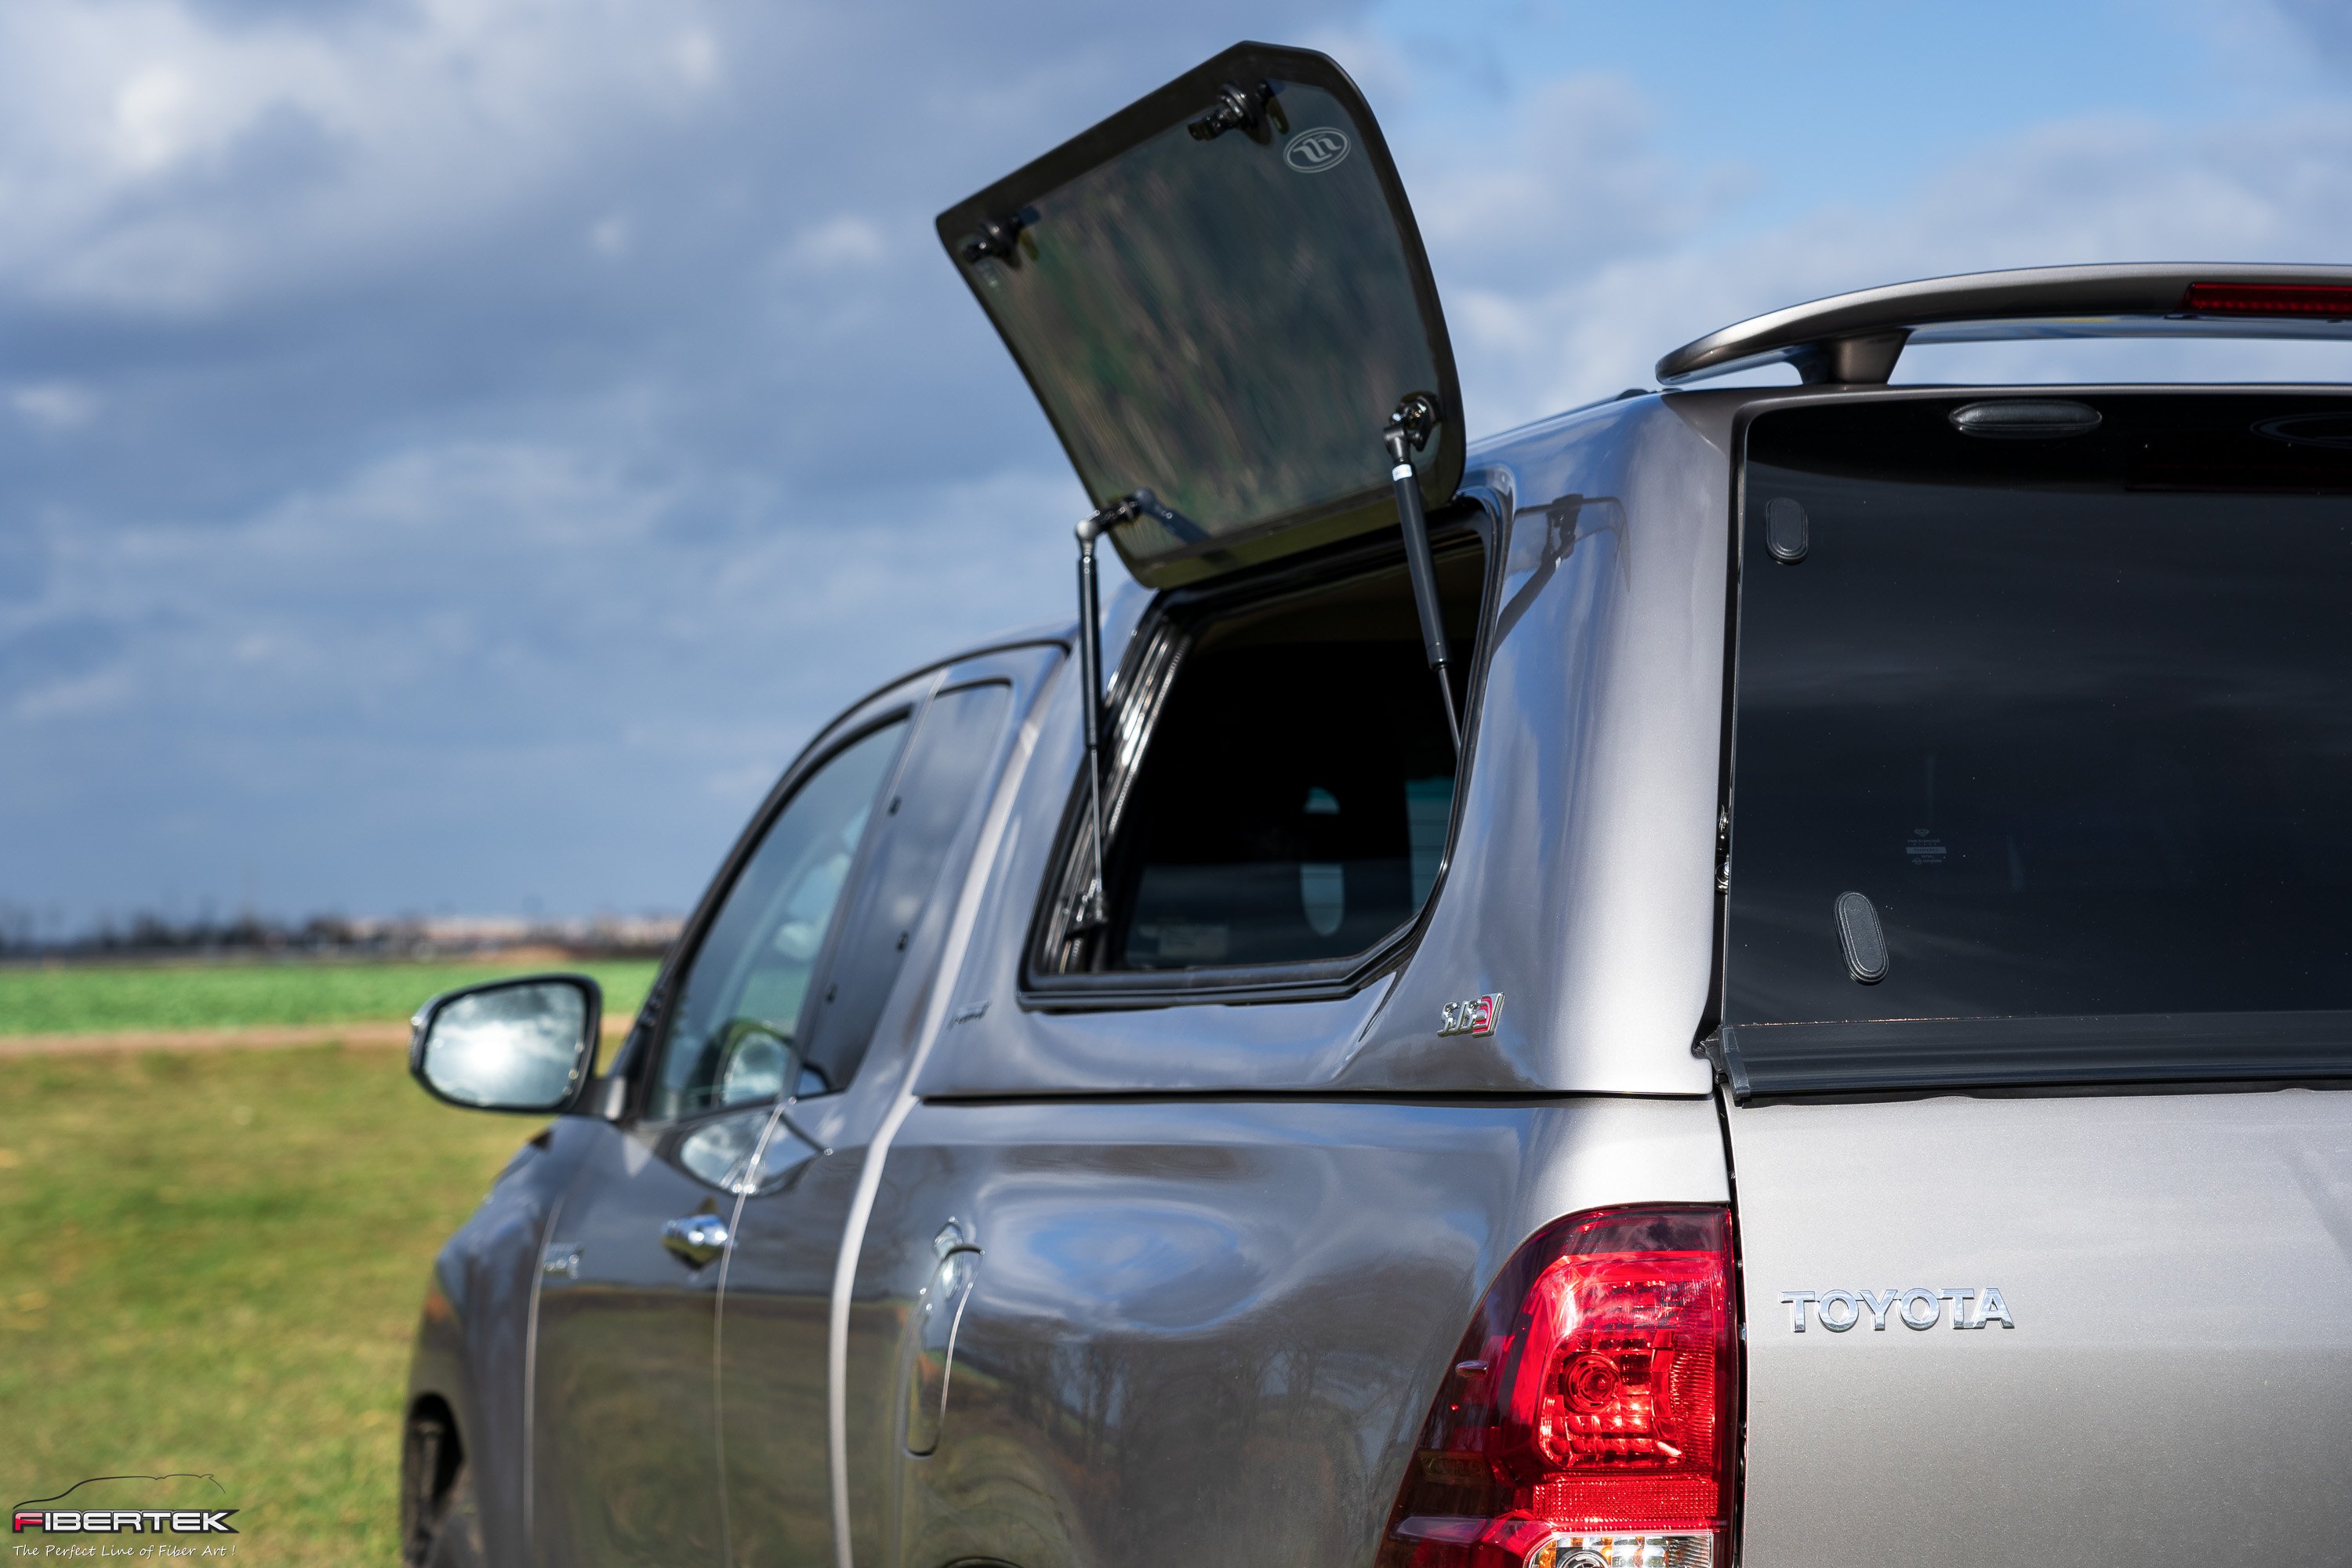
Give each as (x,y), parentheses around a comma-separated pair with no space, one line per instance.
(1228,322)
(2076,715)
(930,802)
(1294,799)
(737,1016)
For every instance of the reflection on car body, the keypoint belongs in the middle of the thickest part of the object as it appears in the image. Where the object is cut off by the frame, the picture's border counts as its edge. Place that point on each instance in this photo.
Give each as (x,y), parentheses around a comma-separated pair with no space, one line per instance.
(1082,1120)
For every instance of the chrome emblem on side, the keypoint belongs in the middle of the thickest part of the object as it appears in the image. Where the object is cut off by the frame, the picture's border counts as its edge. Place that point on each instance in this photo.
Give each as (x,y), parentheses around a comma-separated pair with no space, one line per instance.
(1475,1016)
(1973,1306)
(1313,151)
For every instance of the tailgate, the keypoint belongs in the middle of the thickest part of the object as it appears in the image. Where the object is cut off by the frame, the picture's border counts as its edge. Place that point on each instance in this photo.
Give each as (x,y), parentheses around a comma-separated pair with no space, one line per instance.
(2037,987)
(2177,1387)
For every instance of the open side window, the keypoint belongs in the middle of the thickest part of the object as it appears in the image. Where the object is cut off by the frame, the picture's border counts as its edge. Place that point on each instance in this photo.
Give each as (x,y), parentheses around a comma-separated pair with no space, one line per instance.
(1281,787)
(1219,297)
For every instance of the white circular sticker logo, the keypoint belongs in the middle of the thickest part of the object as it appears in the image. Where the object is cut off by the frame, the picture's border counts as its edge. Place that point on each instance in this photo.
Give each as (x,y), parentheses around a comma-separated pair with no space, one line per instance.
(1312,151)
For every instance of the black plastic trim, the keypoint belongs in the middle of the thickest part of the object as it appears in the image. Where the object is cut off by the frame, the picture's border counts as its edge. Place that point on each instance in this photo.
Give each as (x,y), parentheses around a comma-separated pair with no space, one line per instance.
(1794,1061)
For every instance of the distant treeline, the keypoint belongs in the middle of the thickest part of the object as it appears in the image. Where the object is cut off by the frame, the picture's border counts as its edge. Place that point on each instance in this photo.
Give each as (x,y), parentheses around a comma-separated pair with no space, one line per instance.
(147,935)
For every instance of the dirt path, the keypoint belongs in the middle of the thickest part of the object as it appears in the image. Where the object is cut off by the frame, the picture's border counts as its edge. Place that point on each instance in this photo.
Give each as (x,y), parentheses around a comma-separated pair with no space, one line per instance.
(258,1036)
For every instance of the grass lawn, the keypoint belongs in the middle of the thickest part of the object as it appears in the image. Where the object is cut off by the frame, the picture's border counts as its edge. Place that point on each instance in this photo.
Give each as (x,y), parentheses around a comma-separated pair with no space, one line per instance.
(211,1261)
(86,998)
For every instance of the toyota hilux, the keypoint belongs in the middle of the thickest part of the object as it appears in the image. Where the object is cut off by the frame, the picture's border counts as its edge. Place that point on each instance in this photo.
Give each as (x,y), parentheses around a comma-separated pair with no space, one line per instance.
(1745,975)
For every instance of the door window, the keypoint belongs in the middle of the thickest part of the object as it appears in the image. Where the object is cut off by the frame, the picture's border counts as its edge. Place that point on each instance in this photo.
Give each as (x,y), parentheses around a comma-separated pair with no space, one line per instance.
(735,1030)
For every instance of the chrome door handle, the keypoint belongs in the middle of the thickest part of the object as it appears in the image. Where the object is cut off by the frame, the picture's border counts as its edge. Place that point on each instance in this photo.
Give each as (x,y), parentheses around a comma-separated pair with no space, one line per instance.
(696,1238)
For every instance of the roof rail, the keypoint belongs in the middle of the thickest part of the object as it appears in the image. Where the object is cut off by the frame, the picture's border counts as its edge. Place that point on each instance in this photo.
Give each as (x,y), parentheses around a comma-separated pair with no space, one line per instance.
(1856,338)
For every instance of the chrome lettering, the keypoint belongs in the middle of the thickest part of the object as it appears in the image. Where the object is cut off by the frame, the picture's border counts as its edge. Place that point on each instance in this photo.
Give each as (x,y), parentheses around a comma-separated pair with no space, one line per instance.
(1475,1016)
(1921,1307)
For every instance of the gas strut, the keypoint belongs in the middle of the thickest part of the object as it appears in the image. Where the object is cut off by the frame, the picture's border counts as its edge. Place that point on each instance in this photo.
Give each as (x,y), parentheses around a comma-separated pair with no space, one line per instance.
(1089,912)
(1408,431)
(1092,910)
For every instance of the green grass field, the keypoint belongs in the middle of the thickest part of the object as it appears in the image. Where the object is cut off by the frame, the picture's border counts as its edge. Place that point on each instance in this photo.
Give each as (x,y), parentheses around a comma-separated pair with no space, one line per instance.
(211,1261)
(87,998)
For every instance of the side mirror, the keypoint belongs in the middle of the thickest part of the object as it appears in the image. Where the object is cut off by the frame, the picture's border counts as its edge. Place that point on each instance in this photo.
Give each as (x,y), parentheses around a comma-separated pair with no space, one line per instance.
(525,1045)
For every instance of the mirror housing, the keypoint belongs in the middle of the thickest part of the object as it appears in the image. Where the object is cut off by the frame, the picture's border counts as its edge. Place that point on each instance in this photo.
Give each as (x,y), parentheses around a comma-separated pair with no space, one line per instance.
(527,1044)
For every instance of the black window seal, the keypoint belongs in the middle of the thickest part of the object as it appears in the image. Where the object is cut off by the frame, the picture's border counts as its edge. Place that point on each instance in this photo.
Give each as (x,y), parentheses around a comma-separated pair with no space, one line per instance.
(1474,515)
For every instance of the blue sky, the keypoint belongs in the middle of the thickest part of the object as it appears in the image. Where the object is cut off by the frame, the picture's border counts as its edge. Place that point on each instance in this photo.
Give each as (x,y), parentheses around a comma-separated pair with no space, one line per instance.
(452,452)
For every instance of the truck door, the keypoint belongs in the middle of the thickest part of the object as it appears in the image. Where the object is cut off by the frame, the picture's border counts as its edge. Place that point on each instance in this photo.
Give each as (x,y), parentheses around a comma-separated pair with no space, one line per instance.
(626,1463)
(2038,990)
(796,1193)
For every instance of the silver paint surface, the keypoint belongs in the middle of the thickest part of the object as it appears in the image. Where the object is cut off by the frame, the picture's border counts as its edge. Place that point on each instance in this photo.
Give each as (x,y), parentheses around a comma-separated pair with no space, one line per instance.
(2179,1384)
(1583,879)
(1203,1330)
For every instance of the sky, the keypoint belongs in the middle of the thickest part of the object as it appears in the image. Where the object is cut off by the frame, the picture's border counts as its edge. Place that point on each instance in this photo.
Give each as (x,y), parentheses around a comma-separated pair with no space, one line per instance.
(453,453)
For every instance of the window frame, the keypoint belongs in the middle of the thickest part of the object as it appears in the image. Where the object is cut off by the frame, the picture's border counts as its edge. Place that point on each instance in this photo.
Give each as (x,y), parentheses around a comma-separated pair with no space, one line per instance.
(1134,700)
(857,904)
(902,702)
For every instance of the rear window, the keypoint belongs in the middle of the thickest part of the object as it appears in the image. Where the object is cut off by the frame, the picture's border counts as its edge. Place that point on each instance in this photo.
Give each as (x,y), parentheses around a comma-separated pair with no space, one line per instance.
(2074,714)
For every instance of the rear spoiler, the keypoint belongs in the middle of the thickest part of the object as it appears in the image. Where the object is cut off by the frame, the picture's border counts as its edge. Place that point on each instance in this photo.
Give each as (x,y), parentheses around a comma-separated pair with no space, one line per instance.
(1856,338)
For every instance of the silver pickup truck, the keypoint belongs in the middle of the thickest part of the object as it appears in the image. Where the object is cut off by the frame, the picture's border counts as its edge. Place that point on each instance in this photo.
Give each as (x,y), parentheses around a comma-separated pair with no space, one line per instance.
(1733,976)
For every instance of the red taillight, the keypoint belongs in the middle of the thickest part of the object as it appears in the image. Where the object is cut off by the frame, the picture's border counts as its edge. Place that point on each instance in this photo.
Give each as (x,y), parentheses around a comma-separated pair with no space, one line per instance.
(2318,302)
(1590,1408)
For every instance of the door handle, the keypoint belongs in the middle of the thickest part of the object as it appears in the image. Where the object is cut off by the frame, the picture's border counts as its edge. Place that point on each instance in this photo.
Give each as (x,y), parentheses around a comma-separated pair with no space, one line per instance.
(938,1311)
(696,1237)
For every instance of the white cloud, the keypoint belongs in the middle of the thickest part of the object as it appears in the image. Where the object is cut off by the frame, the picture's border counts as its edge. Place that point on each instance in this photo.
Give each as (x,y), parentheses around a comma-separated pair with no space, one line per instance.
(152,115)
(55,405)
(609,235)
(1555,324)
(695,53)
(384,473)
(77,696)
(847,240)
